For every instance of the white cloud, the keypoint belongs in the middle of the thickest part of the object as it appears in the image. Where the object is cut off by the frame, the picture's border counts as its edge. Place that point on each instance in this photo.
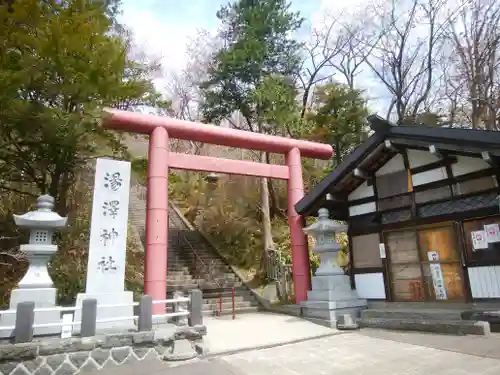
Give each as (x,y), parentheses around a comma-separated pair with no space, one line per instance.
(158,38)
(163,28)
(162,35)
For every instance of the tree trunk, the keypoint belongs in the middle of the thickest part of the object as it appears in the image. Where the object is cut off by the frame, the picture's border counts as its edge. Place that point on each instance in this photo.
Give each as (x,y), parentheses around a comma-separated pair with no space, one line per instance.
(274,203)
(62,201)
(266,217)
(55,180)
(60,183)
(338,154)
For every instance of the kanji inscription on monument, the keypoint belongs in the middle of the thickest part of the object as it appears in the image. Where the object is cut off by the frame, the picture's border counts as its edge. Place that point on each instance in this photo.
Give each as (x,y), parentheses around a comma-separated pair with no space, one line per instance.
(108,236)
(113,181)
(108,232)
(107,264)
(111,208)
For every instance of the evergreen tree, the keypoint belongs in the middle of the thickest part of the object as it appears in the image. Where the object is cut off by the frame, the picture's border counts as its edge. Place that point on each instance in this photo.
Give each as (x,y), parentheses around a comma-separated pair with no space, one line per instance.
(249,75)
(338,117)
(60,62)
(257,45)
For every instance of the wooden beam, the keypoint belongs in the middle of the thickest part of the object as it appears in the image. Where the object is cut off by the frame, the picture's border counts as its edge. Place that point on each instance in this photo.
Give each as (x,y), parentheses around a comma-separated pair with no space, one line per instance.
(449,160)
(388,145)
(335,198)
(359,201)
(435,151)
(361,174)
(488,158)
(456,149)
(456,179)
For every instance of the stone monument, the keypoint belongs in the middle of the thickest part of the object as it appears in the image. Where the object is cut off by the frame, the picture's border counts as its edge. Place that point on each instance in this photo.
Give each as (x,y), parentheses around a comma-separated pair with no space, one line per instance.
(331,298)
(37,285)
(107,247)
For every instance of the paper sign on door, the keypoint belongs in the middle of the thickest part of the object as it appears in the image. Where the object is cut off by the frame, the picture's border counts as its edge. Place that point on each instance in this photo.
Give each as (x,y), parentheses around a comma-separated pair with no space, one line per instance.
(492,233)
(479,240)
(437,276)
(381,247)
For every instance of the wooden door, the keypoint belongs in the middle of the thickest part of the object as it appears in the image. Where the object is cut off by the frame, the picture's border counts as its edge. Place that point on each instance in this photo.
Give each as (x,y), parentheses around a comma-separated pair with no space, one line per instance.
(441,266)
(405,270)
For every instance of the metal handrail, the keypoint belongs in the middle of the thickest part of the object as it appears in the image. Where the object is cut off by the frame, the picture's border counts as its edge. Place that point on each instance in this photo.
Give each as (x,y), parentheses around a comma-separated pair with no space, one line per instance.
(279,271)
(143,196)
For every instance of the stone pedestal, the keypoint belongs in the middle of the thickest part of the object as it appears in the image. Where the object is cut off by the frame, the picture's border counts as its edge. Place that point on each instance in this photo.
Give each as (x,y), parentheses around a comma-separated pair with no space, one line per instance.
(331,296)
(43,298)
(125,310)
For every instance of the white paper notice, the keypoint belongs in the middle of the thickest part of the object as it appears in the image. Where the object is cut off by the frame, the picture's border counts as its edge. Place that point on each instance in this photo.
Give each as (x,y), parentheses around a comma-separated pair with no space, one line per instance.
(381,247)
(67,327)
(492,233)
(479,240)
(437,276)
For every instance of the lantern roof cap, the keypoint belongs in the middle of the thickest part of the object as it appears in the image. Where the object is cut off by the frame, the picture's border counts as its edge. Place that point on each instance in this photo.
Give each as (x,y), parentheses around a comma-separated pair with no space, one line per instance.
(324,224)
(43,217)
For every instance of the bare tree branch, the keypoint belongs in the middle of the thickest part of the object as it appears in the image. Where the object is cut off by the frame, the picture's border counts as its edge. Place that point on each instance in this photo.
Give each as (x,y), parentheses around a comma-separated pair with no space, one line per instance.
(15,256)
(323,47)
(475,35)
(405,53)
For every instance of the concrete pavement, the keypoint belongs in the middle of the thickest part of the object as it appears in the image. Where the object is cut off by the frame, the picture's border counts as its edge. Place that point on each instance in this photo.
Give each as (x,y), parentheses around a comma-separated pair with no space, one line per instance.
(482,346)
(357,354)
(258,331)
(346,354)
(234,350)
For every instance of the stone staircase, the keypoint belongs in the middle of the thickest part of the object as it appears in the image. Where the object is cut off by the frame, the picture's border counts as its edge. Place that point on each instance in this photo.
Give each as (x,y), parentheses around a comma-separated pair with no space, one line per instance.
(193,263)
(439,317)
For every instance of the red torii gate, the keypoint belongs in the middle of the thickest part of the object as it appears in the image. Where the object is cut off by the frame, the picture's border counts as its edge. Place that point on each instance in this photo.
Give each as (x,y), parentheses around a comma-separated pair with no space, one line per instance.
(160,159)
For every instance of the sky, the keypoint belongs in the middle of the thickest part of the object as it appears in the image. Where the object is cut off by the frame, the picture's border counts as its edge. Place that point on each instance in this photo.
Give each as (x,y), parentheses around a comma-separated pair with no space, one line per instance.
(163,28)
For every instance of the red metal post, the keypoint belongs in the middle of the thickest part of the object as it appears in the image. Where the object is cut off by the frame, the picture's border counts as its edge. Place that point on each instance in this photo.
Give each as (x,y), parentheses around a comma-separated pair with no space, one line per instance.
(155,265)
(232,299)
(300,255)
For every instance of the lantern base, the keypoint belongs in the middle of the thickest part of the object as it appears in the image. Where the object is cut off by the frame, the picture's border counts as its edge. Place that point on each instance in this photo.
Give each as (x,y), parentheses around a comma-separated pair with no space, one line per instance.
(330,299)
(43,298)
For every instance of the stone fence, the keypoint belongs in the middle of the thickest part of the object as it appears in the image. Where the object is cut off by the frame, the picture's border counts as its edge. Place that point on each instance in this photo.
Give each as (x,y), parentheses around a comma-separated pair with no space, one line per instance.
(75,355)
(92,350)
(23,329)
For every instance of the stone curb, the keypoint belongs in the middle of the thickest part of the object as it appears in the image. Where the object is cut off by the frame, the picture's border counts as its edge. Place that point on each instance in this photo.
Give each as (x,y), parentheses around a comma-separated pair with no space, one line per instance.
(213,354)
(454,327)
(54,356)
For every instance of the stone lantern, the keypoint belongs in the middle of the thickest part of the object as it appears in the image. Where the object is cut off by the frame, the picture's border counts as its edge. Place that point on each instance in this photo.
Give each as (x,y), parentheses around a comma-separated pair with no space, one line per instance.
(42,224)
(331,298)
(37,285)
(323,231)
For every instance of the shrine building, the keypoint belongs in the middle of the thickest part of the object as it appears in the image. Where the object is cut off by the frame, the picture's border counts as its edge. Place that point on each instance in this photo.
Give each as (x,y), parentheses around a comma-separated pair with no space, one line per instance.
(422,208)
